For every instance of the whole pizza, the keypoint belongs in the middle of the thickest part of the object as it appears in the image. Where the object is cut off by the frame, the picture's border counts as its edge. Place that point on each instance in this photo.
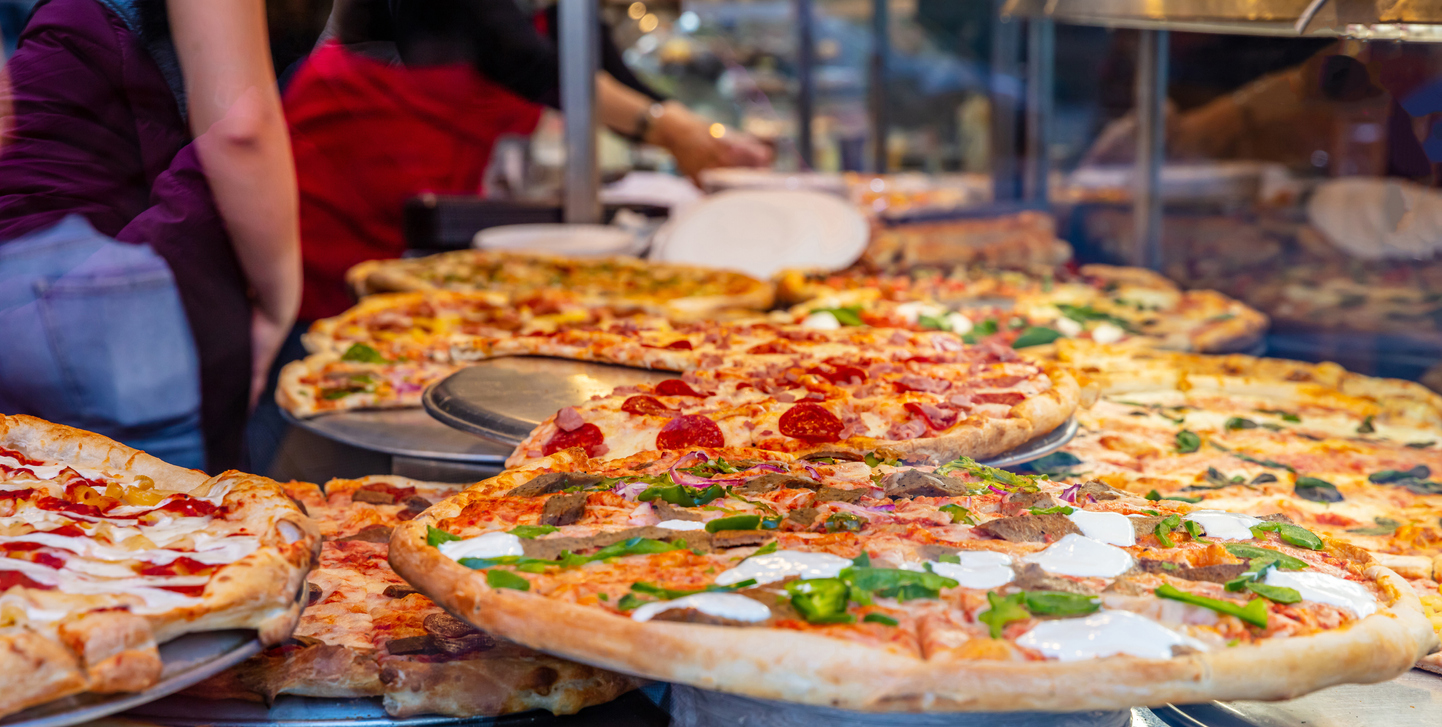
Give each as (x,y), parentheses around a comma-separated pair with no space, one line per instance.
(861,584)
(367,633)
(676,291)
(109,552)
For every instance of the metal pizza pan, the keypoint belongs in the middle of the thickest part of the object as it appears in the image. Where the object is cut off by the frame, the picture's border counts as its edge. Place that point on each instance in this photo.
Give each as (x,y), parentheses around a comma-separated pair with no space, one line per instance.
(405,433)
(505,399)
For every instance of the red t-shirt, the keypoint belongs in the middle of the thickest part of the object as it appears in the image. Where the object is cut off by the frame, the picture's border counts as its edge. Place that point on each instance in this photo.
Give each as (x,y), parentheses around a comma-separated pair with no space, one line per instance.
(367,136)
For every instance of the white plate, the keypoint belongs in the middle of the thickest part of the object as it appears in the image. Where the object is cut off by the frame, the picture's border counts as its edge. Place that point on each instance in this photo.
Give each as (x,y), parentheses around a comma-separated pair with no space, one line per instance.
(578,240)
(762,232)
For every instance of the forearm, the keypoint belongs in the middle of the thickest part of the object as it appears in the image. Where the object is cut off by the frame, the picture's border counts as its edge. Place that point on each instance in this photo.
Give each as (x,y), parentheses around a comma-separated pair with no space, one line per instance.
(236,116)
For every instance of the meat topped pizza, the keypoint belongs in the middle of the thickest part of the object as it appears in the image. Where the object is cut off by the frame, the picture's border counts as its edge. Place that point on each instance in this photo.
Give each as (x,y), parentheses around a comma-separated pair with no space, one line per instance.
(367,633)
(1348,456)
(1102,303)
(108,552)
(1024,241)
(682,292)
(865,585)
(921,394)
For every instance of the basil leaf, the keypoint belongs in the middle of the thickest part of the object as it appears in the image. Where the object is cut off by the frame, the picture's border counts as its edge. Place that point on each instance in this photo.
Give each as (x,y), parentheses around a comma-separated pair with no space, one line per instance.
(1084,313)
(670,594)
(1235,423)
(1249,552)
(1285,415)
(1188,442)
(629,602)
(1384,526)
(985,328)
(1421,445)
(929,322)
(1277,594)
(735,522)
(1003,610)
(958,514)
(1263,479)
(1254,613)
(880,618)
(862,561)
(848,316)
(1366,427)
(766,549)
(844,522)
(1036,336)
(532,531)
(434,537)
(361,353)
(903,585)
(1316,490)
(1164,529)
(1058,603)
(506,579)
(949,558)
(1194,530)
(1387,477)
(634,546)
(819,600)
(1290,534)
(1155,496)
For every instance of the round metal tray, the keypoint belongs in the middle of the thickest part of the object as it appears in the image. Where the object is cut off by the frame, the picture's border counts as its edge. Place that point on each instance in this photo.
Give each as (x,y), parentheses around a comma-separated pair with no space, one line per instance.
(403,432)
(188,660)
(504,399)
(188,711)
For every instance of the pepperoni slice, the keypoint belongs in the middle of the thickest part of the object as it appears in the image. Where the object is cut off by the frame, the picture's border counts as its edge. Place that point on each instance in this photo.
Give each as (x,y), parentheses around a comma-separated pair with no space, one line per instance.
(11,578)
(588,436)
(692,430)
(681,345)
(839,373)
(677,387)
(935,418)
(646,406)
(1009,398)
(771,347)
(812,423)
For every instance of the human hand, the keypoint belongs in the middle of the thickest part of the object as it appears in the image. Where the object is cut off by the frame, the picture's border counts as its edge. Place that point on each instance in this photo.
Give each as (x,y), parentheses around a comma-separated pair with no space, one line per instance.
(696,145)
(266,337)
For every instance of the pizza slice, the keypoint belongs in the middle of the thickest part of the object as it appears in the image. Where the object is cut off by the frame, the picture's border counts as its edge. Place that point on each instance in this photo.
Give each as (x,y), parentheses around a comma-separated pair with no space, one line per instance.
(106,552)
(865,585)
(367,633)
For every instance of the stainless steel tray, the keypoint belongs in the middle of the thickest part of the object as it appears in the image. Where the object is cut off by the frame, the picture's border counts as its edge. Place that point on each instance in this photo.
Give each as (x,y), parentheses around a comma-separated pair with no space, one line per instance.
(504,399)
(187,711)
(1411,700)
(189,659)
(405,433)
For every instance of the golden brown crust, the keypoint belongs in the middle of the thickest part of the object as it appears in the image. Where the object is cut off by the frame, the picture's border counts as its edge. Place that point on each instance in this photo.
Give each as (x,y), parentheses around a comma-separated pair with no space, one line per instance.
(486,686)
(116,649)
(49,671)
(811,669)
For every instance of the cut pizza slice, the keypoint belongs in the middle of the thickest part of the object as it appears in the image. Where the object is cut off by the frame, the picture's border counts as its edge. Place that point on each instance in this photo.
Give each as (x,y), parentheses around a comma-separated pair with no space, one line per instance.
(108,552)
(367,633)
(870,586)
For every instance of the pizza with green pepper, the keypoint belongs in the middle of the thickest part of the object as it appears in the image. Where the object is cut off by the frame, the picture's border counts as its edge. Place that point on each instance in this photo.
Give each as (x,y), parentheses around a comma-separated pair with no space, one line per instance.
(854,581)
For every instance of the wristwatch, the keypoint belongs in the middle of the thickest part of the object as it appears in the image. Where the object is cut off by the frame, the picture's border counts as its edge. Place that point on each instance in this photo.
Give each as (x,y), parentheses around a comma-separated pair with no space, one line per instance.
(644,120)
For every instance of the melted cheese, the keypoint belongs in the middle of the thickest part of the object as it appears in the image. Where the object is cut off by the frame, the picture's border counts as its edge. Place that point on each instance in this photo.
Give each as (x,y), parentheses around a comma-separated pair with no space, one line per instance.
(1106,633)
(491,545)
(681,525)
(1323,588)
(782,564)
(979,569)
(1111,528)
(1082,557)
(1224,525)
(731,606)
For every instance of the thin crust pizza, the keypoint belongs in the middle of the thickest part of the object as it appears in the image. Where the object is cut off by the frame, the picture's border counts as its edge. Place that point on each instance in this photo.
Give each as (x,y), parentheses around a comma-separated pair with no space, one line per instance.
(680,292)
(367,633)
(109,552)
(870,586)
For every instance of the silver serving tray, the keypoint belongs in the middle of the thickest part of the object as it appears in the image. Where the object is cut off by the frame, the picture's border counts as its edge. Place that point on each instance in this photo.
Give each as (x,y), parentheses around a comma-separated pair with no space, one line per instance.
(404,433)
(189,659)
(188,711)
(504,399)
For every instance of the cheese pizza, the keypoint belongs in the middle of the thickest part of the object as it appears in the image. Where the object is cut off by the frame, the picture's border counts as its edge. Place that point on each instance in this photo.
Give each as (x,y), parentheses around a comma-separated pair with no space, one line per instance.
(367,633)
(681,292)
(109,552)
(866,585)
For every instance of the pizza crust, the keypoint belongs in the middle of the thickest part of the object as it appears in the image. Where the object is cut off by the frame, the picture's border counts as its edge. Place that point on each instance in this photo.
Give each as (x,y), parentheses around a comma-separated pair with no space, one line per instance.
(810,669)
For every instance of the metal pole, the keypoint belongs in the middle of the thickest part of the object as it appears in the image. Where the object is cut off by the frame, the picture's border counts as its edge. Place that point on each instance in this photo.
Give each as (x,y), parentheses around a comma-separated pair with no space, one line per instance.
(805,84)
(1040,75)
(880,110)
(1151,96)
(1005,100)
(580,50)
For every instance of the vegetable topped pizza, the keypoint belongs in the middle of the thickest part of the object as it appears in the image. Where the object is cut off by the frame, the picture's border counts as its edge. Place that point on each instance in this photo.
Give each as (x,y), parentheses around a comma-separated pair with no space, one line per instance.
(854,582)
(108,552)
(676,291)
(367,633)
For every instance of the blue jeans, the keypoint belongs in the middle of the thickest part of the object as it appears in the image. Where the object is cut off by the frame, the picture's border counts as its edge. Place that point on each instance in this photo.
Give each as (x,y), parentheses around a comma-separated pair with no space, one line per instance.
(92,334)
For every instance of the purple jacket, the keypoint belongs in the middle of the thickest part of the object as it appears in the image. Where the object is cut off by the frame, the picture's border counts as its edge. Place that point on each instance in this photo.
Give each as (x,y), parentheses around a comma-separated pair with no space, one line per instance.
(98,132)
